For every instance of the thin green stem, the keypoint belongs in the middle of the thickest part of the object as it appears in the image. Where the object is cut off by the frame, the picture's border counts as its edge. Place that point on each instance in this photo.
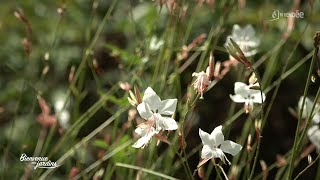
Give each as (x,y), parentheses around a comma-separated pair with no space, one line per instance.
(291,164)
(309,119)
(145,170)
(261,116)
(185,164)
(224,173)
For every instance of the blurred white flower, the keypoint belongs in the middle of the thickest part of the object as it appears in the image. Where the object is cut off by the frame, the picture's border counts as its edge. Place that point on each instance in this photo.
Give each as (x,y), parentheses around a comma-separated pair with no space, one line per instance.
(58,104)
(152,108)
(314,135)
(313,131)
(63,119)
(154,111)
(60,107)
(144,59)
(155,44)
(307,110)
(245,38)
(243,94)
(214,145)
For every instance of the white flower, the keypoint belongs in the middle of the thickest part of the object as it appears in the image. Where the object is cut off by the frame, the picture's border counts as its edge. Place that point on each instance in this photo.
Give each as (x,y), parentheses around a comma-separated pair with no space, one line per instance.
(63,118)
(154,111)
(214,145)
(313,131)
(243,94)
(155,44)
(146,134)
(152,108)
(307,110)
(314,135)
(245,38)
(203,78)
(61,109)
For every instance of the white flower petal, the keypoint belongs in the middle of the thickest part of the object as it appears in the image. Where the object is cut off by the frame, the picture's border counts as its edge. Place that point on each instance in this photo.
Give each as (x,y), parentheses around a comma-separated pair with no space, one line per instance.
(231,147)
(254,42)
(238,98)
(307,110)
(249,31)
(63,118)
(245,38)
(307,106)
(250,53)
(217,136)
(236,30)
(144,110)
(206,138)
(141,142)
(218,153)
(152,99)
(312,130)
(141,131)
(59,104)
(316,118)
(155,44)
(241,89)
(194,74)
(256,97)
(144,140)
(314,135)
(243,93)
(168,106)
(206,152)
(167,123)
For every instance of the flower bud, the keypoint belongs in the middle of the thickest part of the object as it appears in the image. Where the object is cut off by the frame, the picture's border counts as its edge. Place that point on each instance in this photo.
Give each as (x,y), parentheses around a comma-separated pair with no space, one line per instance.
(235,51)
(132,99)
(309,159)
(138,94)
(124,86)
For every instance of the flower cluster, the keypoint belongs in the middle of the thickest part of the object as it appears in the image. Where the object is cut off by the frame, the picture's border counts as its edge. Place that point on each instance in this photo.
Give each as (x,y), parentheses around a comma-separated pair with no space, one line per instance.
(158,114)
(155,112)
(242,43)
